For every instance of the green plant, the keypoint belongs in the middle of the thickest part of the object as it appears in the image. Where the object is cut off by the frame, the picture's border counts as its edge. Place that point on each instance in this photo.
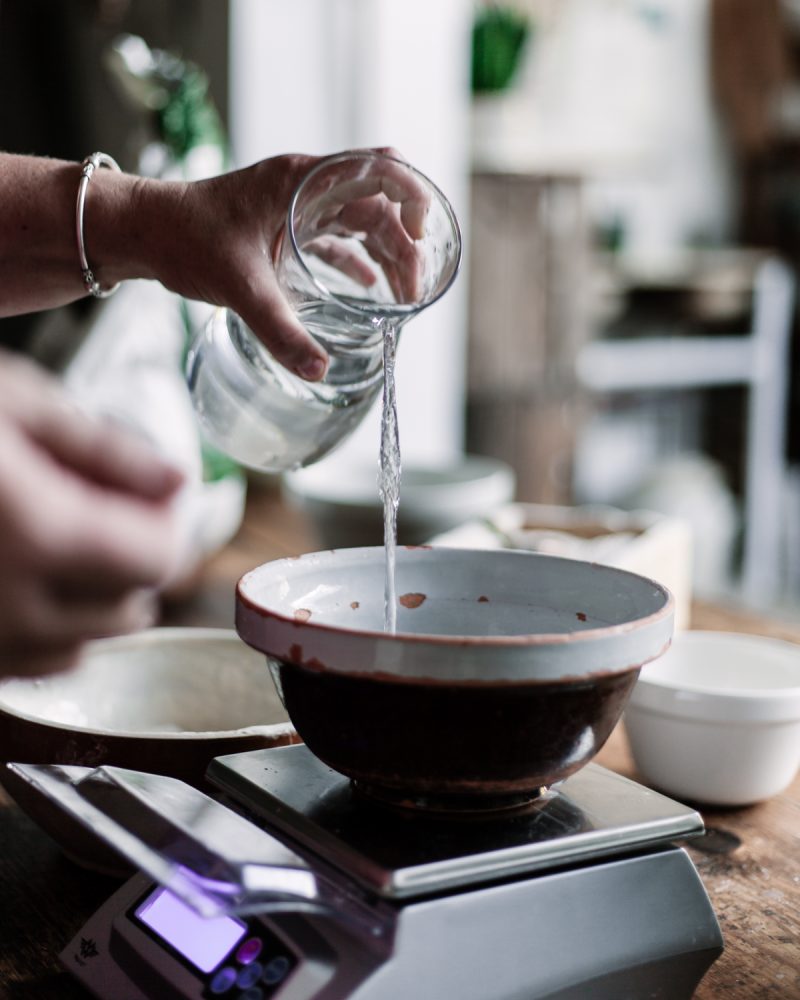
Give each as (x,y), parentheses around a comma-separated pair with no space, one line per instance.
(499,34)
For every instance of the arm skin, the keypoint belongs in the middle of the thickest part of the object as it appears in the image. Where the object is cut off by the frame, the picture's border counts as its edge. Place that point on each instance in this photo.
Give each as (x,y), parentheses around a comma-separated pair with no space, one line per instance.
(86,531)
(211,240)
(199,239)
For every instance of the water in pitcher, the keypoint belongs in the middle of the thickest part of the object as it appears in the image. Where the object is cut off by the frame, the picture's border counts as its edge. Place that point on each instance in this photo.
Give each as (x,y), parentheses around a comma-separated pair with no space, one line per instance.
(262,415)
(266,418)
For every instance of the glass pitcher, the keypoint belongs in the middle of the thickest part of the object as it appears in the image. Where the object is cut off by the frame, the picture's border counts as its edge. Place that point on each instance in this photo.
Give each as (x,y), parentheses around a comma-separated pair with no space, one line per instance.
(346,280)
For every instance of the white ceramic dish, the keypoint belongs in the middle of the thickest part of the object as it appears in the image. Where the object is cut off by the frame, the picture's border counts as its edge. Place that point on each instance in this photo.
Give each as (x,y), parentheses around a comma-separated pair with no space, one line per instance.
(716,720)
(345,506)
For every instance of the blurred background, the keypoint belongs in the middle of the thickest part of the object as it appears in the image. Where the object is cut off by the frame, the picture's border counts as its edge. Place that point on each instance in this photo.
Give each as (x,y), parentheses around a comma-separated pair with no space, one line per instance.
(623,335)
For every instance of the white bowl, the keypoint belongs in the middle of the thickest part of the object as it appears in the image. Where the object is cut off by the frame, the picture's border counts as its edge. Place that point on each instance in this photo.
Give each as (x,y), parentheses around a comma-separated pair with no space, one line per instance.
(345,506)
(716,720)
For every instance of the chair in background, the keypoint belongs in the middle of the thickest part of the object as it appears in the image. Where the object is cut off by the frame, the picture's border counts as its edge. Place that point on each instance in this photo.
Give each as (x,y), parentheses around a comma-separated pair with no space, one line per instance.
(757,360)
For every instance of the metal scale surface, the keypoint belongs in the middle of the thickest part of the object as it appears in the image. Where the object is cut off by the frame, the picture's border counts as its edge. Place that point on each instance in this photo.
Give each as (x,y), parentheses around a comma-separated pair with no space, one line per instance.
(581,895)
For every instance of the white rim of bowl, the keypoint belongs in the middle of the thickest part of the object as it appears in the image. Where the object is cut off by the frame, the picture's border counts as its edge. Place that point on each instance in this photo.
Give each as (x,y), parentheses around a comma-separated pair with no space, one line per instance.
(357,650)
(738,705)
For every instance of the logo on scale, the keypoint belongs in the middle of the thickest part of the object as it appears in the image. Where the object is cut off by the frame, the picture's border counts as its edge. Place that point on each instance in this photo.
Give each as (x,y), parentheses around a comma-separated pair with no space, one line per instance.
(86,949)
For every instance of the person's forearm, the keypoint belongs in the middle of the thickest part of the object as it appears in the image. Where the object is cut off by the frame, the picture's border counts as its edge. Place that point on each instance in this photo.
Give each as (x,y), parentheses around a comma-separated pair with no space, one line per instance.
(211,240)
(39,265)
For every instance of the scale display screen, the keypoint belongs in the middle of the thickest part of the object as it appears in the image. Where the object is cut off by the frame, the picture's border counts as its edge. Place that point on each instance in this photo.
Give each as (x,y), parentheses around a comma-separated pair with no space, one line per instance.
(203,941)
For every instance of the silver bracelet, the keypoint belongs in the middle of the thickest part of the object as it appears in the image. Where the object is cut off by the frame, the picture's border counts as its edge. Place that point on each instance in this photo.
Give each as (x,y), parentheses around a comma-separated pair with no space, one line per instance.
(88,167)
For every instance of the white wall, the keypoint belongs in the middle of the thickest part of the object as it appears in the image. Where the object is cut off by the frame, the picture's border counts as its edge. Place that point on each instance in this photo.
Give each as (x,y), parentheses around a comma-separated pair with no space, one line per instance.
(619,91)
(317,76)
(684,190)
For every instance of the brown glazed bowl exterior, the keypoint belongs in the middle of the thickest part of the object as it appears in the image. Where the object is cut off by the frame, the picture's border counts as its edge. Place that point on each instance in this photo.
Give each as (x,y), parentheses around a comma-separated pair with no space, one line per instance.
(448,739)
(507,672)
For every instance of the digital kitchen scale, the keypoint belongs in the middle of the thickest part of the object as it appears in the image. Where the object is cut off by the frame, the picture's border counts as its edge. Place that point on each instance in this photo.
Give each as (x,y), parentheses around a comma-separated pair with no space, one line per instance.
(311,891)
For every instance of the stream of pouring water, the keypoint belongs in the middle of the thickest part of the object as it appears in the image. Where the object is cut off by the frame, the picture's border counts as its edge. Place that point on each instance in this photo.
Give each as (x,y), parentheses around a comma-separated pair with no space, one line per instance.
(389,477)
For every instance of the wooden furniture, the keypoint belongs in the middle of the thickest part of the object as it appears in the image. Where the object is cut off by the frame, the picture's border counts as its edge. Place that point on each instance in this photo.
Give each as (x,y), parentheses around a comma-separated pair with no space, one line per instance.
(748,860)
(528,259)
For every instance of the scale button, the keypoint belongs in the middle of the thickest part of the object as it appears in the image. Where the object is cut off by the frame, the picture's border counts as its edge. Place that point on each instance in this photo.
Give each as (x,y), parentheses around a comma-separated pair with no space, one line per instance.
(249,950)
(254,993)
(223,981)
(276,970)
(249,975)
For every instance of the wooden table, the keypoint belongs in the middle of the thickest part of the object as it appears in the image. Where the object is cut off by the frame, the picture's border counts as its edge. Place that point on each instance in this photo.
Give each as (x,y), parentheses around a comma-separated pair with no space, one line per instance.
(749,860)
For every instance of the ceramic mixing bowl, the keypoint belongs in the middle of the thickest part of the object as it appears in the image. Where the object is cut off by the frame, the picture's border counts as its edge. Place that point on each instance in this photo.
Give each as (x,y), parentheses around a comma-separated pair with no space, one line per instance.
(507,672)
(717,719)
(166,700)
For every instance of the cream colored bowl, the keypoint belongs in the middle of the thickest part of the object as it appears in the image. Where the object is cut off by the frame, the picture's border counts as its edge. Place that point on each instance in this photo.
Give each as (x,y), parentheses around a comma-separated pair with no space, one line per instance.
(165,700)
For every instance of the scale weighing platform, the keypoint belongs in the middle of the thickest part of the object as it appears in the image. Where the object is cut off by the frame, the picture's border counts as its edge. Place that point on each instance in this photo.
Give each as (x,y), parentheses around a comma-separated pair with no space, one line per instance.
(308,890)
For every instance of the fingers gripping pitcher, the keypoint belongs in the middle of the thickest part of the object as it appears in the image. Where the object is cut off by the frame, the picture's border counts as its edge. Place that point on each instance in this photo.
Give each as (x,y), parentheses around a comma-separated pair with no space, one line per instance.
(369,242)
